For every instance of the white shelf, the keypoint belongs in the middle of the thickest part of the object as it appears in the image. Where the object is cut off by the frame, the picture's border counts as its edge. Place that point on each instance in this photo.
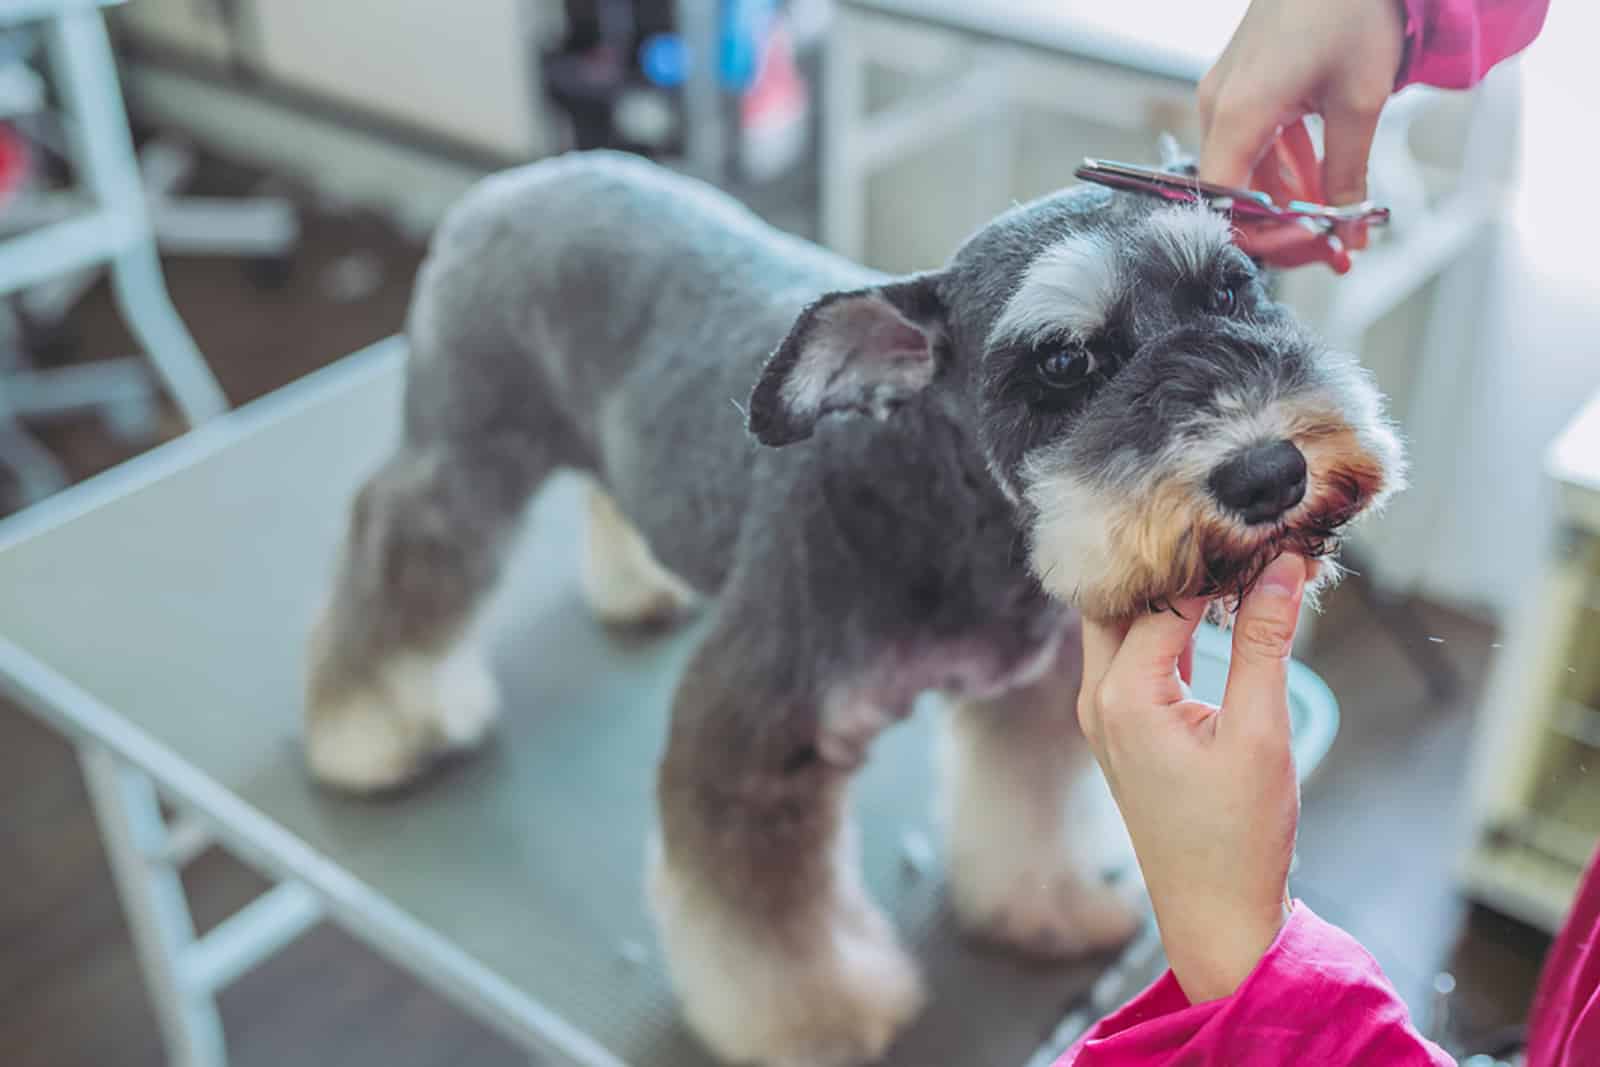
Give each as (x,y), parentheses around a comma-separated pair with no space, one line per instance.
(1520,882)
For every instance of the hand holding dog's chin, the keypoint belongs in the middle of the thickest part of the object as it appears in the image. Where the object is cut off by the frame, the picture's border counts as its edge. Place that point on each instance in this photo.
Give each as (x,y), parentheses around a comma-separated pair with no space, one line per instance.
(1209,795)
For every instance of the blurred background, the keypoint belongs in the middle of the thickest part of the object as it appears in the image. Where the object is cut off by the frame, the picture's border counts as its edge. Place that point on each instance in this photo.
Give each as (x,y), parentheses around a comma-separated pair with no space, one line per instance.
(295,154)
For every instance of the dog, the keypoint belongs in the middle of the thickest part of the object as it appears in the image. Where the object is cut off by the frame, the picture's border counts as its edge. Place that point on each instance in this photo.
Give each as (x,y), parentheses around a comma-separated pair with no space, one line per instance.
(877,486)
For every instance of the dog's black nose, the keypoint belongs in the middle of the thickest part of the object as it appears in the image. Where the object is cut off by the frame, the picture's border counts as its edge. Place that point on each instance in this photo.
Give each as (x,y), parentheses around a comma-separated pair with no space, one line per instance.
(1262,482)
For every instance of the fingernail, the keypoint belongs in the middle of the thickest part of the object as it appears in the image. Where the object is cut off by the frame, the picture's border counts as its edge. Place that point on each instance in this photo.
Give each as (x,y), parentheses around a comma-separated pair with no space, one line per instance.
(1284,576)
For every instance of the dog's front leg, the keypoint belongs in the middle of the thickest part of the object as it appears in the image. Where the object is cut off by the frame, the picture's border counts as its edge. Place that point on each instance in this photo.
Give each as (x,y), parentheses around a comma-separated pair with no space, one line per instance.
(778,955)
(1016,772)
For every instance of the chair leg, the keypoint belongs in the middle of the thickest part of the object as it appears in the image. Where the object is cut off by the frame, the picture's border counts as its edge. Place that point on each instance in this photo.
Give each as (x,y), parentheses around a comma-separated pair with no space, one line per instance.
(37,472)
(81,56)
(135,837)
(142,295)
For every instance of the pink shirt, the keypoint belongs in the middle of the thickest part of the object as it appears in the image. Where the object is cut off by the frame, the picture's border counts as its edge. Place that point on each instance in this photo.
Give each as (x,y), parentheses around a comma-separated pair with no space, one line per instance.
(1317,997)
(1452,44)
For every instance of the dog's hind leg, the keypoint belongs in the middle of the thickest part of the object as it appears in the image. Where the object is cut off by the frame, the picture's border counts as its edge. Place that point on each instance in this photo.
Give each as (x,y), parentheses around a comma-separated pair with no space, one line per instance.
(776,951)
(394,675)
(1014,771)
(622,580)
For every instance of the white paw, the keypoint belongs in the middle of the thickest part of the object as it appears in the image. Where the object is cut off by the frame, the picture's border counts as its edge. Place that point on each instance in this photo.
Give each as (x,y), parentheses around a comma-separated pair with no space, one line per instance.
(358,745)
(834,996)
(383,733)
(458,696)
(620,577)
(1045,916)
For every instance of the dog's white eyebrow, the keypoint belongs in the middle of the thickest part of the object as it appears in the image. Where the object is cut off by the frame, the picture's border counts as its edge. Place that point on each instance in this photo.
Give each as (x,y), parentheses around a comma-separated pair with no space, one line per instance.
(1190,237)
(1069,289)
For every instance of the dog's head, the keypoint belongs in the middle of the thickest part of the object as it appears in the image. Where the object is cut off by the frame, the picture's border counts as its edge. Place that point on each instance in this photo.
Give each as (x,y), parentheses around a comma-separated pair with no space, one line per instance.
(1162,426)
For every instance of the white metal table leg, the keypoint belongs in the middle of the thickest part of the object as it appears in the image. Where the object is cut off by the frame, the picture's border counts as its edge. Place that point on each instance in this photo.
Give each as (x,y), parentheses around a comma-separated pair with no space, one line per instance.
(81,57)
(158,914)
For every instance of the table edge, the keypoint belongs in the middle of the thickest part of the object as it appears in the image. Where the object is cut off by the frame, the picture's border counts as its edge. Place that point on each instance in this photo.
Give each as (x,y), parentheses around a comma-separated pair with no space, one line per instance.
(199,443)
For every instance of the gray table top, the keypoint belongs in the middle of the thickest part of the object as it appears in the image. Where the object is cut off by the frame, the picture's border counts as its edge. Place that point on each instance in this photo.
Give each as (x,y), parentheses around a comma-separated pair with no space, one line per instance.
(1155,37)
(176,592)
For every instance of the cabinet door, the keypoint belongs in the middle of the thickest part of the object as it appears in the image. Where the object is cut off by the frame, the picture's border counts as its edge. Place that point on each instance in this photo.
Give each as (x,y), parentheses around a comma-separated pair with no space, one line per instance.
(466,70)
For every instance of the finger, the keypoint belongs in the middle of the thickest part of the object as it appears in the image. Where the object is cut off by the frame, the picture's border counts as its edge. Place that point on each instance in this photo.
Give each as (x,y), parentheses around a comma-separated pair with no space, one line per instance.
(1256,697)
(1298,157)
(1289,244)
(1101,640)
(1149,655)
(1241,128)
(1352,234)
(1267,240)
(1347,136)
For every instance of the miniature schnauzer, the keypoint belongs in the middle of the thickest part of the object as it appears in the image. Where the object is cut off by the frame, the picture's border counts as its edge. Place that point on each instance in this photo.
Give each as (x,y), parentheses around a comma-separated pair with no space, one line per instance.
(878,486)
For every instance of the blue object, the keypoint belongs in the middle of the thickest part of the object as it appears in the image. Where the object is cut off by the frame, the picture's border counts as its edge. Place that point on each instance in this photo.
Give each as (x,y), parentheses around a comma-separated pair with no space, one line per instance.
(744,33)
(664,60)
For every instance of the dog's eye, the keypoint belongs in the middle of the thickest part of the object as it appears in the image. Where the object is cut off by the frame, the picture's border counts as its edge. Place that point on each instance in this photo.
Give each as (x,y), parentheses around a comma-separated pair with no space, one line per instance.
(1065,368)
(1224,300)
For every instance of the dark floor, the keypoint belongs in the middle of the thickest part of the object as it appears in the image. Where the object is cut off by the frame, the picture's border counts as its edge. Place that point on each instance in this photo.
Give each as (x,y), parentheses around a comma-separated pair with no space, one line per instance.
(1382,825)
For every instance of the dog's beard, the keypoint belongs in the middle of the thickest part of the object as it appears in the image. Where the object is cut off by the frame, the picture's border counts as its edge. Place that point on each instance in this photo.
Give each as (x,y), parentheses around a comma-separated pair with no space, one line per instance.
(1232,564)
(1116,558)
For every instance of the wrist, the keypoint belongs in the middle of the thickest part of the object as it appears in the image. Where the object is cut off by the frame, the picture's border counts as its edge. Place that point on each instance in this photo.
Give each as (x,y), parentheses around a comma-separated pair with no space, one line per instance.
(1212,958)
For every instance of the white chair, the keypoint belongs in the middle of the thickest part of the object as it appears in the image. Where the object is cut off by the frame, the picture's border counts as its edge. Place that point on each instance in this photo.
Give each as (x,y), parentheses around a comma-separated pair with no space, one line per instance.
(111,228)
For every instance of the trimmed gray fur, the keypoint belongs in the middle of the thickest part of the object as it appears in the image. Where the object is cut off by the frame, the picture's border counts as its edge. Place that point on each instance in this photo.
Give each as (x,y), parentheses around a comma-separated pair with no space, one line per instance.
(957,458)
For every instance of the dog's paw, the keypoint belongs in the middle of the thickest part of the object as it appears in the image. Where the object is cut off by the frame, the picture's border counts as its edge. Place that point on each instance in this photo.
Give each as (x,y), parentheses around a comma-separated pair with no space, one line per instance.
(621,580)
(1044,916)
(836,997)
(371,736)
(358,745)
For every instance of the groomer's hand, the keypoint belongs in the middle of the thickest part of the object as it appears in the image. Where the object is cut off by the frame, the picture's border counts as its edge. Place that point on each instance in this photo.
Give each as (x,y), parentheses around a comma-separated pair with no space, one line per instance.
(1209,794)
(1288,59)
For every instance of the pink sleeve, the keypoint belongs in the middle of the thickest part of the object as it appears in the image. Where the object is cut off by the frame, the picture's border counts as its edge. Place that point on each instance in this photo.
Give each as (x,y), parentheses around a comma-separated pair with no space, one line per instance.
(1564,1029)
(1452,44)
(1316,997)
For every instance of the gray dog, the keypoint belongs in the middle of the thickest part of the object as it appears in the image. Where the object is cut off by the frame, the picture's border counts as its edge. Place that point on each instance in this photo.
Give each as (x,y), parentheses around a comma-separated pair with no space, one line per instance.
(1094,406)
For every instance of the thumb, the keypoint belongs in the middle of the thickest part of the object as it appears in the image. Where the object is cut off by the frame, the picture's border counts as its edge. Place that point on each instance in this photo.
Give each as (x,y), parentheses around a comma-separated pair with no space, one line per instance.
(1263,633)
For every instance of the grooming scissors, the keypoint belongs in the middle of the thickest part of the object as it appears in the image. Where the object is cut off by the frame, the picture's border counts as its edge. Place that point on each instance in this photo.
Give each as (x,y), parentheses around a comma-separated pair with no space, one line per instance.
(1245,205)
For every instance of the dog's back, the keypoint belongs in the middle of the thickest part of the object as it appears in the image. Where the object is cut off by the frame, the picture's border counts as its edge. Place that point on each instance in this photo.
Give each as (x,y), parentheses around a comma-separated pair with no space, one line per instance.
(624,310)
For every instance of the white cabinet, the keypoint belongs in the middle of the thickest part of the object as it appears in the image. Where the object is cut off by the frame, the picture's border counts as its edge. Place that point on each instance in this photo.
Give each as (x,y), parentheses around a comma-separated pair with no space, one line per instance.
(462,74)
(467,71)
(198,28)
(1536,776)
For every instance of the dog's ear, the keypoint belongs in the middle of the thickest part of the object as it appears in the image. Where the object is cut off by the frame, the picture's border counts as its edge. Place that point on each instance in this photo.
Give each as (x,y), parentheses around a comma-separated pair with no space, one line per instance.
(865,350)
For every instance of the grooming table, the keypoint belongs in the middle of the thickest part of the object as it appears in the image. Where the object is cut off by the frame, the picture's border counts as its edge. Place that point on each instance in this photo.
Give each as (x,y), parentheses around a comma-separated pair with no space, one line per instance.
(156,616)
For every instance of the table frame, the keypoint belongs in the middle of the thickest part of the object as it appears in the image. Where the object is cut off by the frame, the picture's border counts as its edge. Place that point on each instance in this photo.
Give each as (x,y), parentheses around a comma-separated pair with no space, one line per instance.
(129,774)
